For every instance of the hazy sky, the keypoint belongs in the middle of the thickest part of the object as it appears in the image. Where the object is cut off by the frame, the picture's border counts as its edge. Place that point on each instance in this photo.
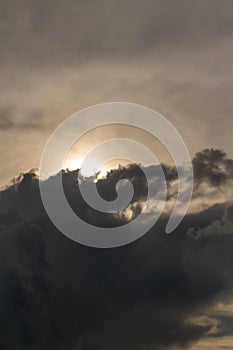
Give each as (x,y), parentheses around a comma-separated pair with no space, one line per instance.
(60,56)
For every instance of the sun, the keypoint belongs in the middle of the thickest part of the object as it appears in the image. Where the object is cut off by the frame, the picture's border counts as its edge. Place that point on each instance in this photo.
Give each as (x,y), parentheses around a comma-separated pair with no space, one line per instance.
(90,167)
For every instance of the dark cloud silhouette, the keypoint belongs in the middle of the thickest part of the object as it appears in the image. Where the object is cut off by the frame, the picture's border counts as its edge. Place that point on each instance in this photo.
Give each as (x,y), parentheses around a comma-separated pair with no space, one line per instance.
(57,294)
(213,166)
(24,287)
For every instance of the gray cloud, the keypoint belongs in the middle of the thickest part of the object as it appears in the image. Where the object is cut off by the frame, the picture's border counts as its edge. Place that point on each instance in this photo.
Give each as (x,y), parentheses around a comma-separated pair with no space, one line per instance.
(54,30)
(13,117)
(149,294)
(212,166)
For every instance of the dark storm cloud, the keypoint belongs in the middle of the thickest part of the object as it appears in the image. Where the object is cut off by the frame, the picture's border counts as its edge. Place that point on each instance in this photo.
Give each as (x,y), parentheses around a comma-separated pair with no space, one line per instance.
(24,286)
(57,294)
(221,225)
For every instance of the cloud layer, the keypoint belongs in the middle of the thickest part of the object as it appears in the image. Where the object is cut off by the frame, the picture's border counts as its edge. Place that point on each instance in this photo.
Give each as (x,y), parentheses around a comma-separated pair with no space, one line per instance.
(156,293)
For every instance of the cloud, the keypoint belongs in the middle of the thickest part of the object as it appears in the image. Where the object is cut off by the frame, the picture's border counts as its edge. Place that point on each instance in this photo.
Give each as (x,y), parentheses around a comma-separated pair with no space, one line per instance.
(154,293)
(212,166)
(217,227)
(52,31)
(13,117)
(223,343)
(24,282)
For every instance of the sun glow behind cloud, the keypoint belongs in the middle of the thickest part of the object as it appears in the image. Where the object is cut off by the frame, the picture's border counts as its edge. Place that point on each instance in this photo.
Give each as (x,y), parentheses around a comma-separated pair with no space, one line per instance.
(93,168)
(76,163)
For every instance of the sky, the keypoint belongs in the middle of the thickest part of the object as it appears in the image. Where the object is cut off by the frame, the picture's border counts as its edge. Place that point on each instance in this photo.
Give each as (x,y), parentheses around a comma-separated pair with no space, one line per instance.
(57,58)
(162,292)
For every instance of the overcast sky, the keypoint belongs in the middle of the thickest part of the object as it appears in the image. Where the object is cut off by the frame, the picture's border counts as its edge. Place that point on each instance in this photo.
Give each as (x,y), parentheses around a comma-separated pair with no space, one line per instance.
(60,56)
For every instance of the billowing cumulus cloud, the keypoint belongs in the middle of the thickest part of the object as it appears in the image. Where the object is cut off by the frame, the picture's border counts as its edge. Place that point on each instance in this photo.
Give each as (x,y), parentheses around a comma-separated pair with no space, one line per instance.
(159,292)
